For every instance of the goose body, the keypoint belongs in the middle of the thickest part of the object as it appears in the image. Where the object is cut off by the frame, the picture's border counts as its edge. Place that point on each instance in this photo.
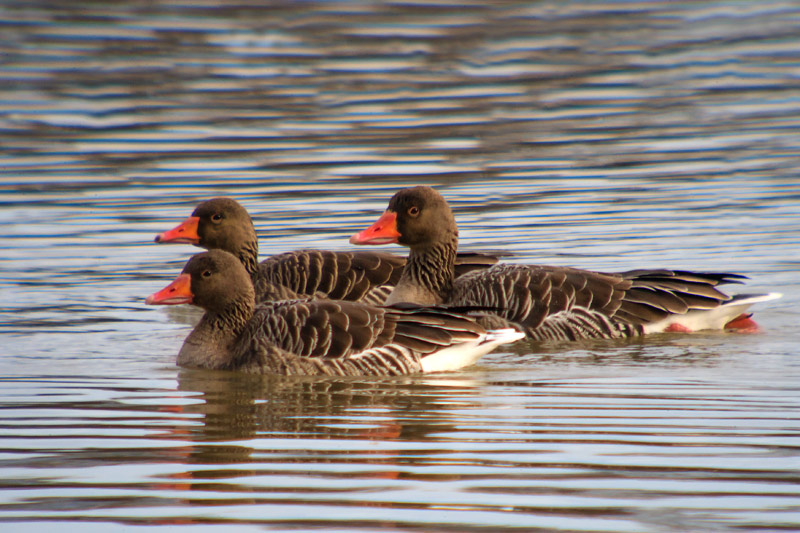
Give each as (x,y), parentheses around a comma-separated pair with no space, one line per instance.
(315,336)
(549,302)
(364,276)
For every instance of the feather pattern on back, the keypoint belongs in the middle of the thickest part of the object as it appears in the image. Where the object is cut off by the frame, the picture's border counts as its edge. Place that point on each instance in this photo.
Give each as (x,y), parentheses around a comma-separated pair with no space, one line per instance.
(347,338)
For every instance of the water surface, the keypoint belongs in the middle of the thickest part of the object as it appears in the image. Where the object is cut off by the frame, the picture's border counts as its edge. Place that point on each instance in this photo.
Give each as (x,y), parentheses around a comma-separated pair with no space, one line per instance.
(602,135)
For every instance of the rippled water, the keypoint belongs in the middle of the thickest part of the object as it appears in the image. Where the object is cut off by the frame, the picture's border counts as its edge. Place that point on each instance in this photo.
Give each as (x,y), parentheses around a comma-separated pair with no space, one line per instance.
(604,135)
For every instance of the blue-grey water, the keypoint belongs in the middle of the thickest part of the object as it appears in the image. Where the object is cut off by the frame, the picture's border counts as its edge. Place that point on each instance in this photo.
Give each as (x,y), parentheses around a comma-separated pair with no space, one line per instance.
(602,135)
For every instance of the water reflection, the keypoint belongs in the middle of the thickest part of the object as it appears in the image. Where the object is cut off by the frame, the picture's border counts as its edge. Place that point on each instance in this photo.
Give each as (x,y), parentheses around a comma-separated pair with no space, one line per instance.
(237,407)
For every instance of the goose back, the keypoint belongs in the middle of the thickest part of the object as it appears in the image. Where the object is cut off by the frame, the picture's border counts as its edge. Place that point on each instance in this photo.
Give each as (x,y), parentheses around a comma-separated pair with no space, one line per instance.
(347,339)
(354,276)
(561,303)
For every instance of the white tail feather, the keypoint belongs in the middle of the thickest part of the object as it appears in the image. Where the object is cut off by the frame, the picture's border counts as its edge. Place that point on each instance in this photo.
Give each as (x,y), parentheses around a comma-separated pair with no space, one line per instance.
(697,320)
(466,353)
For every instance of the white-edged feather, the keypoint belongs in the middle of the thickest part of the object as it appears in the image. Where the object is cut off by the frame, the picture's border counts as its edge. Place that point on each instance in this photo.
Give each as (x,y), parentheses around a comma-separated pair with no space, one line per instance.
(466,353)
(716,318)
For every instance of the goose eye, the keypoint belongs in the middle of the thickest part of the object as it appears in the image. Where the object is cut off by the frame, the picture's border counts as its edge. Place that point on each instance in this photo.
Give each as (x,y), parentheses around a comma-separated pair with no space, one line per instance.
(413,210)
(216,217)
(206,274)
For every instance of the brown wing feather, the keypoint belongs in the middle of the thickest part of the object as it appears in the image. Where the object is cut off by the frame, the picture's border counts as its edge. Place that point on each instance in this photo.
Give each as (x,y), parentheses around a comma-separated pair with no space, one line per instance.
(322,328)
(428,329)
(528,294)
(354,276)
(658,299)
(469,261)
(532,296)
(336,275)
(340,329)
(655,294)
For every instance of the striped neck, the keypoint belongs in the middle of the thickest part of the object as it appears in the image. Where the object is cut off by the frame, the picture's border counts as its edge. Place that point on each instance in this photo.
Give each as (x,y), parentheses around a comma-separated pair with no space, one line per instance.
(212,343)
(248,255)
(428,276)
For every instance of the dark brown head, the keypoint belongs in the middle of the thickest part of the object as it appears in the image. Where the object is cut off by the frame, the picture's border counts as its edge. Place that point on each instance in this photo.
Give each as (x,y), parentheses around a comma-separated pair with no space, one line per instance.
(212,280)
(215,224)
(416,217)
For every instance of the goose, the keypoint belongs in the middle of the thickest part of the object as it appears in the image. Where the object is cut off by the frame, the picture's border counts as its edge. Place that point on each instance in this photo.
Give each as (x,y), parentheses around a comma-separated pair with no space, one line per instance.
(366,276)
(315,336)
(550,302)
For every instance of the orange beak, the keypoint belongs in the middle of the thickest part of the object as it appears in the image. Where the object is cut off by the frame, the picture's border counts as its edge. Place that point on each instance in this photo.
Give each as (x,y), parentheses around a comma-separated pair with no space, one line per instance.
(177,292)
(185,232)
(383,231)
